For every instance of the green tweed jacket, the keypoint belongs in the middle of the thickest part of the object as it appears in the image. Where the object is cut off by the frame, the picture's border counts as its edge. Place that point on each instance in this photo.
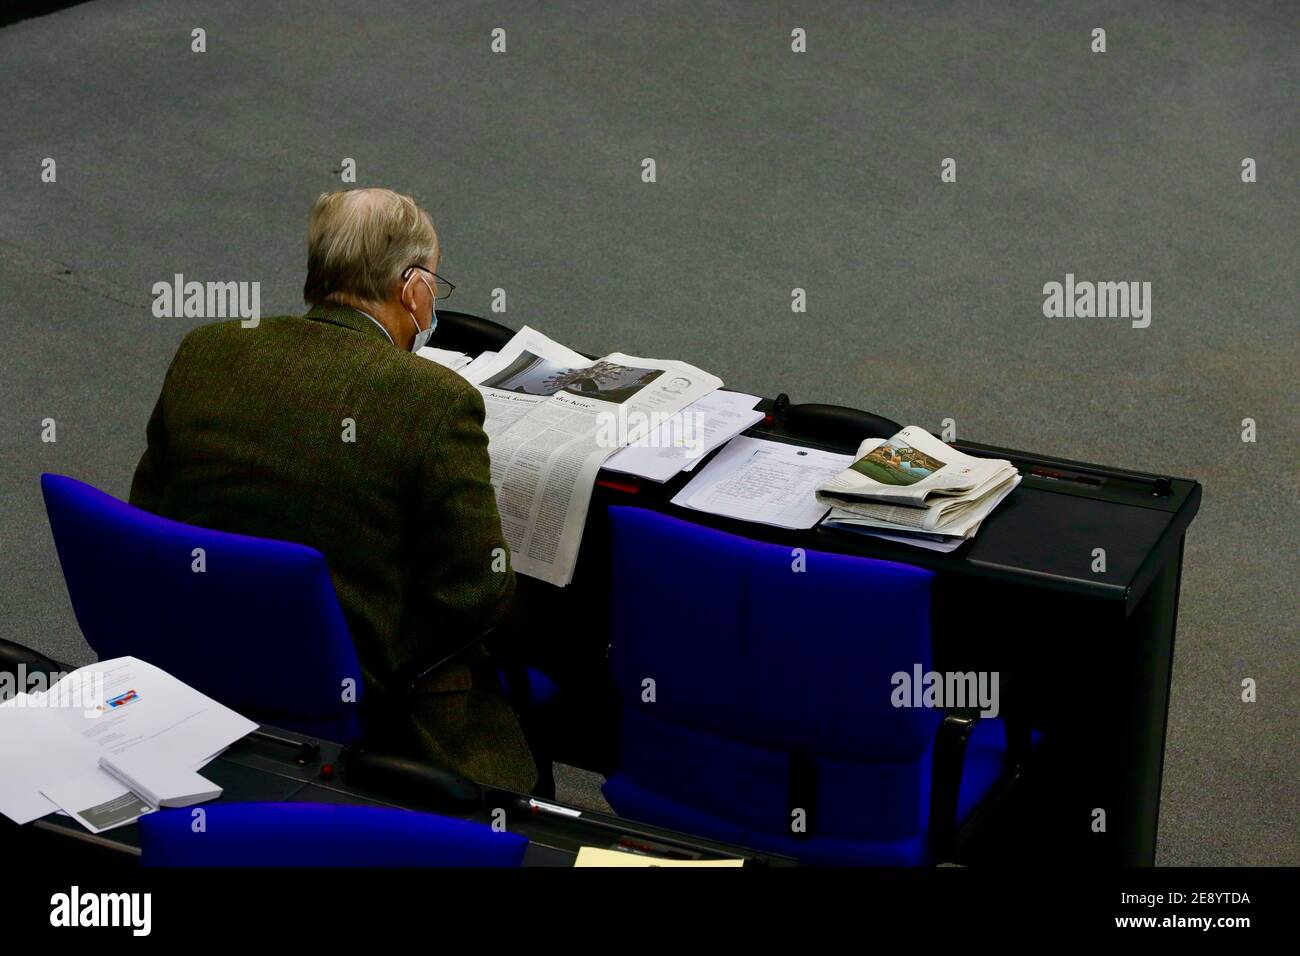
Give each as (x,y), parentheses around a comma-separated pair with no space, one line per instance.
(316,429)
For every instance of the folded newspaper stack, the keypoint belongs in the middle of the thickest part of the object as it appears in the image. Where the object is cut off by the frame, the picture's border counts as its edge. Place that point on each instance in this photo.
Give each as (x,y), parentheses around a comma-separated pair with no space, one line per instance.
(914,483)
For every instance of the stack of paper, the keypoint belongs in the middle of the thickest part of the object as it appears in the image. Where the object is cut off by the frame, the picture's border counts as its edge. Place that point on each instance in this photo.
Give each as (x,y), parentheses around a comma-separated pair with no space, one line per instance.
(679,443)
(160,780)
(482,361)
(124,714)
(915,484)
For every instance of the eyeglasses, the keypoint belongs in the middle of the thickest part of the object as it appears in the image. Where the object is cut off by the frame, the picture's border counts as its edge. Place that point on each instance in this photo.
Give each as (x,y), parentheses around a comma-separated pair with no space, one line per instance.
(442,289)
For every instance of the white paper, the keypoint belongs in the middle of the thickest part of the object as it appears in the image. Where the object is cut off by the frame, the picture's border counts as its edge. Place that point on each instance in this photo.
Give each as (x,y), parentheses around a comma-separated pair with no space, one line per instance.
(444,357)
(944,545)
(472,370)
(680,443)
(25,741)
(160,713)
(160,777)
(767,482)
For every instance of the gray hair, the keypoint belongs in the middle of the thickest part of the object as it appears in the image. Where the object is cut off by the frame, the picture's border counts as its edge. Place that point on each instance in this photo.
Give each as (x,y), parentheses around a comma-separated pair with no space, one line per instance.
(359,242)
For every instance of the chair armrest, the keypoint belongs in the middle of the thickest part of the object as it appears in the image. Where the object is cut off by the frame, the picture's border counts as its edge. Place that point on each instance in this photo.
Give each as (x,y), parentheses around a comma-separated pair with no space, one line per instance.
(945,783)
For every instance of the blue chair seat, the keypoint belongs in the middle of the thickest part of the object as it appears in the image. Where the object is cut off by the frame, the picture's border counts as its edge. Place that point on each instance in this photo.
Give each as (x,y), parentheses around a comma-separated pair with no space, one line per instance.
(320,835)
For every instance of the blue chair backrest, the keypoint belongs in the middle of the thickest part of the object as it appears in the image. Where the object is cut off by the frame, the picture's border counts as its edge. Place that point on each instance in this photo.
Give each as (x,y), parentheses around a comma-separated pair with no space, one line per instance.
(769,663)
(320,835)
(258,629)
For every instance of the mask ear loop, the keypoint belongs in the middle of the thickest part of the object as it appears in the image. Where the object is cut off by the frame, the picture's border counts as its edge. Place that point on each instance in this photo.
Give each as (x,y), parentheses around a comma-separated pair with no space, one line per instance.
(411,274)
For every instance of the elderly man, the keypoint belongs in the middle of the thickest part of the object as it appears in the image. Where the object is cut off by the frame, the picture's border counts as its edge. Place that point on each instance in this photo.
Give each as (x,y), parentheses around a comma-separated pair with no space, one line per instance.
(327,430)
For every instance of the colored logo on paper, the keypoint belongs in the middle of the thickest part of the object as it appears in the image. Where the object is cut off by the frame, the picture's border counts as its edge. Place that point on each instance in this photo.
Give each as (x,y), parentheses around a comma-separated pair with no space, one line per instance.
(121,700)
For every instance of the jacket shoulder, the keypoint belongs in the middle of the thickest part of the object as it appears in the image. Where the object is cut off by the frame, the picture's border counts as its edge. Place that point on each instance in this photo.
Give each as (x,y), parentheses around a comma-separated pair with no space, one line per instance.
(216,331)
(431,375)
(232,332)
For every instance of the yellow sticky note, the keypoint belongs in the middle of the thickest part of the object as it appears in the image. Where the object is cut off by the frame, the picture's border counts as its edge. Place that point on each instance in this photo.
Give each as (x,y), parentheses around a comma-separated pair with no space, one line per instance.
(595,856)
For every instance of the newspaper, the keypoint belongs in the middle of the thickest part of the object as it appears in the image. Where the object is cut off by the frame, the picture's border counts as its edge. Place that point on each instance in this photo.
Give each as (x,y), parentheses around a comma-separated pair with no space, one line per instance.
(552,418)
(914,482)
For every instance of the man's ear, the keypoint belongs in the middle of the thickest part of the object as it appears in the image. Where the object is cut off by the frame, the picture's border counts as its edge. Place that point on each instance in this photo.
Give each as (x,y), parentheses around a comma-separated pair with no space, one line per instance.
(406,293)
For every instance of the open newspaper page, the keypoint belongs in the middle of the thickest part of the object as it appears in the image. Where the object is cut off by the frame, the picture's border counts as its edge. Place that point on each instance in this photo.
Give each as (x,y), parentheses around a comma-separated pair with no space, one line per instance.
(552,418)
(913,469)
(514,382)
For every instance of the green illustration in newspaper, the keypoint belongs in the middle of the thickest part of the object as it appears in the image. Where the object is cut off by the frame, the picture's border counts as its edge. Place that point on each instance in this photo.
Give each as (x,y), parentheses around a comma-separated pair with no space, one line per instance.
(896,463)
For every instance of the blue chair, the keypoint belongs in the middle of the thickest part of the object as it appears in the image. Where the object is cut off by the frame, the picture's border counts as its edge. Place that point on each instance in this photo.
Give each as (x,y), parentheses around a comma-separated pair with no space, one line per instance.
(772,694)
(320,835)
(259,629)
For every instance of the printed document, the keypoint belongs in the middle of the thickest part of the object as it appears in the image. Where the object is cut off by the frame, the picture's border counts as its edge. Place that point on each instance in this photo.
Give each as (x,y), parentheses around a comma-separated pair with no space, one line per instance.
(768,482)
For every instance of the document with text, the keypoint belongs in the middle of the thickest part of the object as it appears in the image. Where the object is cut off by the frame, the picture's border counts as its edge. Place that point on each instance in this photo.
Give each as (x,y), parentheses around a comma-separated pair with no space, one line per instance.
(768,482)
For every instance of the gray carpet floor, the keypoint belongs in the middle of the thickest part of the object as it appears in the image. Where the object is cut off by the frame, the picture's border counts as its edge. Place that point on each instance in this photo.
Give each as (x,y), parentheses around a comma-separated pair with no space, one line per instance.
(775,170)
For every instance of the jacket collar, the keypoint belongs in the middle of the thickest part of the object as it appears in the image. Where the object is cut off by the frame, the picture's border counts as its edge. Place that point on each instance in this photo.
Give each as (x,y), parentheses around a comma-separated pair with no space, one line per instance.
(347,317)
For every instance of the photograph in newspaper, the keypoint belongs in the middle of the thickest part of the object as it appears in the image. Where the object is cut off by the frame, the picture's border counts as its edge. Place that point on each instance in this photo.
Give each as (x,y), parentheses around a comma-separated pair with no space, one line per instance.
(896,463)
(531,374)
(913,468)
(504,405)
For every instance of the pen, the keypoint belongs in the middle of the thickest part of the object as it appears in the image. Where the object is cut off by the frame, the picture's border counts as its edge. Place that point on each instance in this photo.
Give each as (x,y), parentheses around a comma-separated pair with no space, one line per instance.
(624,833)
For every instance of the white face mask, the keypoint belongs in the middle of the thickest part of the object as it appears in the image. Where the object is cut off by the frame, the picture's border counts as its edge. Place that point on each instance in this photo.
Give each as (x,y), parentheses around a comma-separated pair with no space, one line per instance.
(422,335)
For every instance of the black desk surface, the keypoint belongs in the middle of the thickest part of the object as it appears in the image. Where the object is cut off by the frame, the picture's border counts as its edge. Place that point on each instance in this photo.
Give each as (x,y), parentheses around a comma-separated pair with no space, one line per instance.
(263,768)
(1044,533)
